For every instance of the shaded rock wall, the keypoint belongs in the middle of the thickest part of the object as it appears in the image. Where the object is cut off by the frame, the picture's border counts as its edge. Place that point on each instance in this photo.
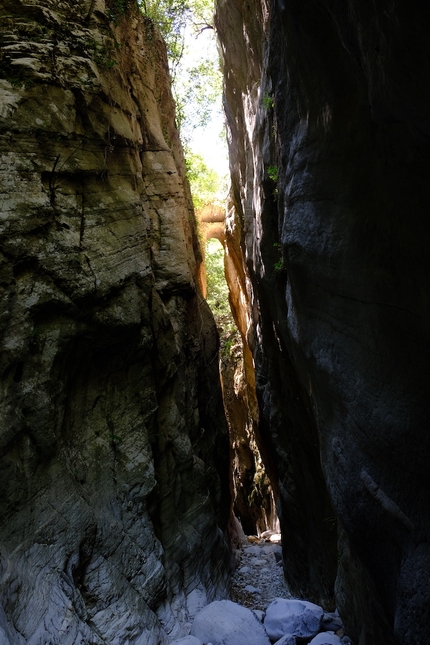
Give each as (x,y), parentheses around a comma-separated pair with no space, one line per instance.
(114,448)
(328,115)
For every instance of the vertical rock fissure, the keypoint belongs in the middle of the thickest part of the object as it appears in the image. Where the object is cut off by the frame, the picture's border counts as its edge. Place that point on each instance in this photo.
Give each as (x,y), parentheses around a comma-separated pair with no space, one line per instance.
(253,499)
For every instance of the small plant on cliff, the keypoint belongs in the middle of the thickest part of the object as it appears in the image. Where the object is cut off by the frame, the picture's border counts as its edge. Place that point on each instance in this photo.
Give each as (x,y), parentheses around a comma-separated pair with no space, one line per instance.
(103,52)
(273,173)
(268,101)
(279,267)
(118,8)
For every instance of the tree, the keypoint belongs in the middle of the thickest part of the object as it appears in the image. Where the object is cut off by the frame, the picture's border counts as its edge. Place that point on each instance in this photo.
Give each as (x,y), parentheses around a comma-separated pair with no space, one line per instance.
(173,17)
(206,184)
(196,83)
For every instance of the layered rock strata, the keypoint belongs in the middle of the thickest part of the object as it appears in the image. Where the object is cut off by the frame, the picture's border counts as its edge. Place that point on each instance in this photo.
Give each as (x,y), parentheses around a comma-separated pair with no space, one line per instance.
(328,118)
(114,449)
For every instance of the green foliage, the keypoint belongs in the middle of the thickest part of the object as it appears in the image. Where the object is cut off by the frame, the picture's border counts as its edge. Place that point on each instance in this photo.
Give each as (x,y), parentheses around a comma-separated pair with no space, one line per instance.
(205,183)
(217,295)
(118,8)
(272,171)
(16,75)
(196,80)
(279,266)
(103,52)
(217,299)
(173,16)
(197,88)
(228,345)
(197,85)
(268,102)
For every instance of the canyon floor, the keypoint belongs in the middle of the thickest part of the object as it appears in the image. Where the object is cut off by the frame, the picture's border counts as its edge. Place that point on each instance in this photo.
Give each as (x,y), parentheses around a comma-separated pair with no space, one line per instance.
(258,578)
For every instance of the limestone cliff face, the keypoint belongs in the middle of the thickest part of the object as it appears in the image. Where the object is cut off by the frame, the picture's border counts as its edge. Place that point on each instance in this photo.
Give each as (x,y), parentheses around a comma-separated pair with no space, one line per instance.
(328,117)
(114,450)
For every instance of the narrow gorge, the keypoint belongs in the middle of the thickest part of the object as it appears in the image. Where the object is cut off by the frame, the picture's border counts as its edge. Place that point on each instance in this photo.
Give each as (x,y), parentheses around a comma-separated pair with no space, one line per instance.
(117,486)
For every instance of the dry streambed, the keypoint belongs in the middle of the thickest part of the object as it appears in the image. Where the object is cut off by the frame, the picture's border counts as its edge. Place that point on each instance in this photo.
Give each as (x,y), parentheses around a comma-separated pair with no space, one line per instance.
(263,611)
(258,578)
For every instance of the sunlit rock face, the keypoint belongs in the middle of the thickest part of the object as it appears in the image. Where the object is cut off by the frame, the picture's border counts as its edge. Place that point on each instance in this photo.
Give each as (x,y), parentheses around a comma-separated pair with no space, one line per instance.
(254,502)
(114,450)
(328,117)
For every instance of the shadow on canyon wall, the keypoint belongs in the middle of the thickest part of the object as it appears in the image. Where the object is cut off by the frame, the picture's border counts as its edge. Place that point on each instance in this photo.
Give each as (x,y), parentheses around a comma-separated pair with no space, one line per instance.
(328,118)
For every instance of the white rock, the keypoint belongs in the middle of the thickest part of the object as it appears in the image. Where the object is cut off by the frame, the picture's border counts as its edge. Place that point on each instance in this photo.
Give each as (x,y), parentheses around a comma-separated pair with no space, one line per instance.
(258,562)
(326,638)
(271,548)
(188,640)
(196,600)
(252,550)
(277,537)
(252,589)
(288,639)
(244,570)
(227,623)
(297,617)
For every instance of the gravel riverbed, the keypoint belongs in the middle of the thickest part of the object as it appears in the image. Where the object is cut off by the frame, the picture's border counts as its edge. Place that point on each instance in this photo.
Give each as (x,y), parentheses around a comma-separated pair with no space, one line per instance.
(258,578)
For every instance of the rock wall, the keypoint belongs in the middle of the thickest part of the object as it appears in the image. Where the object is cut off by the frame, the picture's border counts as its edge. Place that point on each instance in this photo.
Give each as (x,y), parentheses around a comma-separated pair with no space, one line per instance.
(254,497)
(114,449)
(328,119)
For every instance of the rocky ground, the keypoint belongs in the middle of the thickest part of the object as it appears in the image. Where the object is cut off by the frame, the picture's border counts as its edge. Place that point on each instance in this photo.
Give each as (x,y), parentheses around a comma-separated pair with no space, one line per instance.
(258,578)
(263,611)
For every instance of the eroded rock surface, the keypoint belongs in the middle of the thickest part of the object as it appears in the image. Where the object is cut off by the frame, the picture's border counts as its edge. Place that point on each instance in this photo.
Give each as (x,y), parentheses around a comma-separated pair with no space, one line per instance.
(328,117)
(254,500)
(114,450)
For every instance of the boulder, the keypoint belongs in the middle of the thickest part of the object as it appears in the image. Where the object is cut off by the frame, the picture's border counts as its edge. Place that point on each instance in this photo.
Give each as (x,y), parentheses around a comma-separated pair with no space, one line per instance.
(297,617)
(227,623)
(288,639)
(326,638)
(187,640)
(331,622)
